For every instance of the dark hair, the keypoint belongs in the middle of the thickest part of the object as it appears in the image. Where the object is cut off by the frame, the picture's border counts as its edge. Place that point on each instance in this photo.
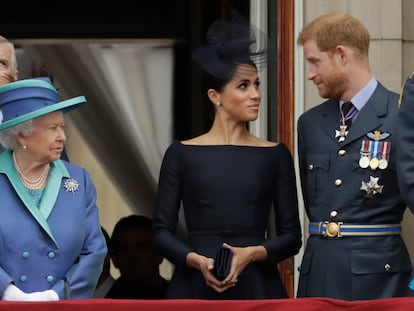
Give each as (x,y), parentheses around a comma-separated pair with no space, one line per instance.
(130,222)
(40,69)
(214,82)
(107,238)
(209,81)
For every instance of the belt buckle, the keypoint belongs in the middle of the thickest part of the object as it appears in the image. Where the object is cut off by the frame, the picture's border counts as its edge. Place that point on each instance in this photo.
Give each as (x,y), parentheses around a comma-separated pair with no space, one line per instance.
(333,229)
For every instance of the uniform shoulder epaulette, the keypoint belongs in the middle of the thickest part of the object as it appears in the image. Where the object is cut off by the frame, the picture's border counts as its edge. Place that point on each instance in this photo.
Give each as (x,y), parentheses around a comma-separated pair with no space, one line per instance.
(410,80)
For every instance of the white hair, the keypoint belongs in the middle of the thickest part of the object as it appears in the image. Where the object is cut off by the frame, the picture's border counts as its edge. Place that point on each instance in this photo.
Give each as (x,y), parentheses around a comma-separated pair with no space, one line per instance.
(12,52)
(8,137)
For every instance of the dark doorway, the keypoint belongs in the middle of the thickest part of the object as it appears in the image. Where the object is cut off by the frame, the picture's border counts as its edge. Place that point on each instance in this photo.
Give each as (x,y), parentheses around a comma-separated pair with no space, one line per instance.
(186,21)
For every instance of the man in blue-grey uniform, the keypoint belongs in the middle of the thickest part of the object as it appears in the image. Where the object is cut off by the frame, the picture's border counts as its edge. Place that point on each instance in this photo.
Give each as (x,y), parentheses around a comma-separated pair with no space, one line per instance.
(347,157)
(405,145)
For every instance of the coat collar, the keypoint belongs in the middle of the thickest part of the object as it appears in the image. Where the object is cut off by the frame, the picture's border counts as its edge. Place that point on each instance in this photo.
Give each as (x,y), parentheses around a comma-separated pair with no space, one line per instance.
(369,118)
(58,171)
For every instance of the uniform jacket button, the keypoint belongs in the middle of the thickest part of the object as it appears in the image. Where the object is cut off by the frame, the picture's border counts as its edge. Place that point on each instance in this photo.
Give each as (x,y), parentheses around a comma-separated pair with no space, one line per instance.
(387,267)
(51,255)
(338,182)
(25,254)
(23,278)
(342,152)
(49,278)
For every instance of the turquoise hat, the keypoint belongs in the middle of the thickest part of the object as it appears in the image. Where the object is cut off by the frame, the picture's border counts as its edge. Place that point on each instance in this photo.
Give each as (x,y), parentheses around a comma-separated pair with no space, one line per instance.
(27,99)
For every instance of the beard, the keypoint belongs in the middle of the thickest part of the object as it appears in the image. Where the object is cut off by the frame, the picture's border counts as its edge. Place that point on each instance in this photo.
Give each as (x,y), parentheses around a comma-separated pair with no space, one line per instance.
(334,85)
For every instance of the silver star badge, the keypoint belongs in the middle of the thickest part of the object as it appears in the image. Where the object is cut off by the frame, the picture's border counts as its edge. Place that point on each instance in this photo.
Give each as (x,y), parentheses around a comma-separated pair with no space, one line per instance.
(341,133)
(372,187)
(71,185)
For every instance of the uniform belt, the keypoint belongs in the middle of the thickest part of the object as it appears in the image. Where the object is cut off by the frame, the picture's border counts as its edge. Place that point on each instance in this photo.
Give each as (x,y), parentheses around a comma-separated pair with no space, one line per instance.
(333,229)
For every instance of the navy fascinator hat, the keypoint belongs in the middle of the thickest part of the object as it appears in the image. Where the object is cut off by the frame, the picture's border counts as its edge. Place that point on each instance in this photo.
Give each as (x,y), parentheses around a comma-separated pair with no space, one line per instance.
(27,99)
(230,43)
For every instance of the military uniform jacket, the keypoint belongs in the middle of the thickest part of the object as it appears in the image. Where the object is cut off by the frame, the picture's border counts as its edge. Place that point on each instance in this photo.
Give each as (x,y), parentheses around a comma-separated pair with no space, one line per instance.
(54,246)
(332,179)
(405,155)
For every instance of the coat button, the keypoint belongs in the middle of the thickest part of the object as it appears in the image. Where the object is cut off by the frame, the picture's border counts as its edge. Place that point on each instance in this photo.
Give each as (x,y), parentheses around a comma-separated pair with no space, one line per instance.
(387,267)
(51,255)
(49,278)
(23,278)
(310,167)
(25,255)
(338,182)
(342,152)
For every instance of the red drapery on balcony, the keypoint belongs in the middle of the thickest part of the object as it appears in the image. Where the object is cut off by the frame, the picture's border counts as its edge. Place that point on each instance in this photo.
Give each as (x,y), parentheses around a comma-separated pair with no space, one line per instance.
(291,304)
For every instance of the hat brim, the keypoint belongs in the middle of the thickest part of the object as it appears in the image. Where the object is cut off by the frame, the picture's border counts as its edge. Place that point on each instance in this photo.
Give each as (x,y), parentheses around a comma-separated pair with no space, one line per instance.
(65,106)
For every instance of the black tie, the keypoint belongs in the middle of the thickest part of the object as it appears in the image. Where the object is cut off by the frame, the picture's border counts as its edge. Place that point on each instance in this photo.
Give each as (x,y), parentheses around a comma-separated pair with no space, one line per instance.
(346,107)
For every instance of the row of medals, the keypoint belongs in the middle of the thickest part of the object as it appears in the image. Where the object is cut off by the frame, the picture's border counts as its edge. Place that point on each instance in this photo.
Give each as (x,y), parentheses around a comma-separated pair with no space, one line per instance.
(365,161)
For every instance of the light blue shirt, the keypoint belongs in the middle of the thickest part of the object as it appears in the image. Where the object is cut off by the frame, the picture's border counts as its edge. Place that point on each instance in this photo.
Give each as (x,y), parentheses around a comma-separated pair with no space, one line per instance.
(362,97)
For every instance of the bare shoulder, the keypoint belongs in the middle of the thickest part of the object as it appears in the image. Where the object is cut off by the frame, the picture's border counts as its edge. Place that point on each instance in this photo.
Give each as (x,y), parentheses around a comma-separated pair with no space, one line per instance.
(206,139)
(199,140)
(265,143)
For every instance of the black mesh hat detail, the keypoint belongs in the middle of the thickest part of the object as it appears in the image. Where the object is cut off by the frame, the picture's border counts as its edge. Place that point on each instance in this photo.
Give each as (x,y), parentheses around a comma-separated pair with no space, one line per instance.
(230,43)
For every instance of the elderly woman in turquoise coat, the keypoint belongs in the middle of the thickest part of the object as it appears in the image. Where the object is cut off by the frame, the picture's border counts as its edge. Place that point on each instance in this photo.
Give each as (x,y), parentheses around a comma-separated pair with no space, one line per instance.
(51,244)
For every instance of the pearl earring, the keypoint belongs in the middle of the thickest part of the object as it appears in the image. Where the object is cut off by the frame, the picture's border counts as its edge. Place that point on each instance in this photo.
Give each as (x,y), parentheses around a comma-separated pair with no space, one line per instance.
(218,104)
(24,146)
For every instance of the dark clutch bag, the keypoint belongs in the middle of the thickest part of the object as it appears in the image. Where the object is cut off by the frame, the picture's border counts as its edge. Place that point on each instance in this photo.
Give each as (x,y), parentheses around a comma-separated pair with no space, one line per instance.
(222,263)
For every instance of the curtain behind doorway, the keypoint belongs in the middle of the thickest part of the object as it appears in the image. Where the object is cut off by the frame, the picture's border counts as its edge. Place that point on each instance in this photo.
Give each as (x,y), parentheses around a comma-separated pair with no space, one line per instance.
(127,121)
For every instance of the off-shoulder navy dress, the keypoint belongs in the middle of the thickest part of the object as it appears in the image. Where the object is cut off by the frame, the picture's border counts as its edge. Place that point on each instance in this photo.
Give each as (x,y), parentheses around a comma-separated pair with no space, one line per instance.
(227,193)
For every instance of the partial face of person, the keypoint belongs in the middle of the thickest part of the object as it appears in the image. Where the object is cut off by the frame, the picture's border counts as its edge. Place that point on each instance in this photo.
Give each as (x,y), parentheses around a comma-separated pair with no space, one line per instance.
(240,97)
(7,74)
(134,256)
(325,71)
(48,139)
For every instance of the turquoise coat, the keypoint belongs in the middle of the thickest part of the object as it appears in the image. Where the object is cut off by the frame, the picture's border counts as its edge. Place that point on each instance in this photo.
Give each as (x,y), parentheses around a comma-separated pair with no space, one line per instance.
(58,245)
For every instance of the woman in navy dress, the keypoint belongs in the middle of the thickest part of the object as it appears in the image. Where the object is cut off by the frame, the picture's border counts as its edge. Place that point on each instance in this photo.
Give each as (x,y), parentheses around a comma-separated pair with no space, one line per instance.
(228,182)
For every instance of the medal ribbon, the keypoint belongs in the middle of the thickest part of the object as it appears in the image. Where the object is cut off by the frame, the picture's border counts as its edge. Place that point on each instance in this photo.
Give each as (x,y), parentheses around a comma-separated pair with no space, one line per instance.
(365,148)
(385,150)
(351,113)
(376,149)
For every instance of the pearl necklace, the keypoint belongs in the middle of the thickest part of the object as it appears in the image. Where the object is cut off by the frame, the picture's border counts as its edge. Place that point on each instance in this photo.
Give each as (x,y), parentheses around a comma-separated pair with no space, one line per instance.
(33,184)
